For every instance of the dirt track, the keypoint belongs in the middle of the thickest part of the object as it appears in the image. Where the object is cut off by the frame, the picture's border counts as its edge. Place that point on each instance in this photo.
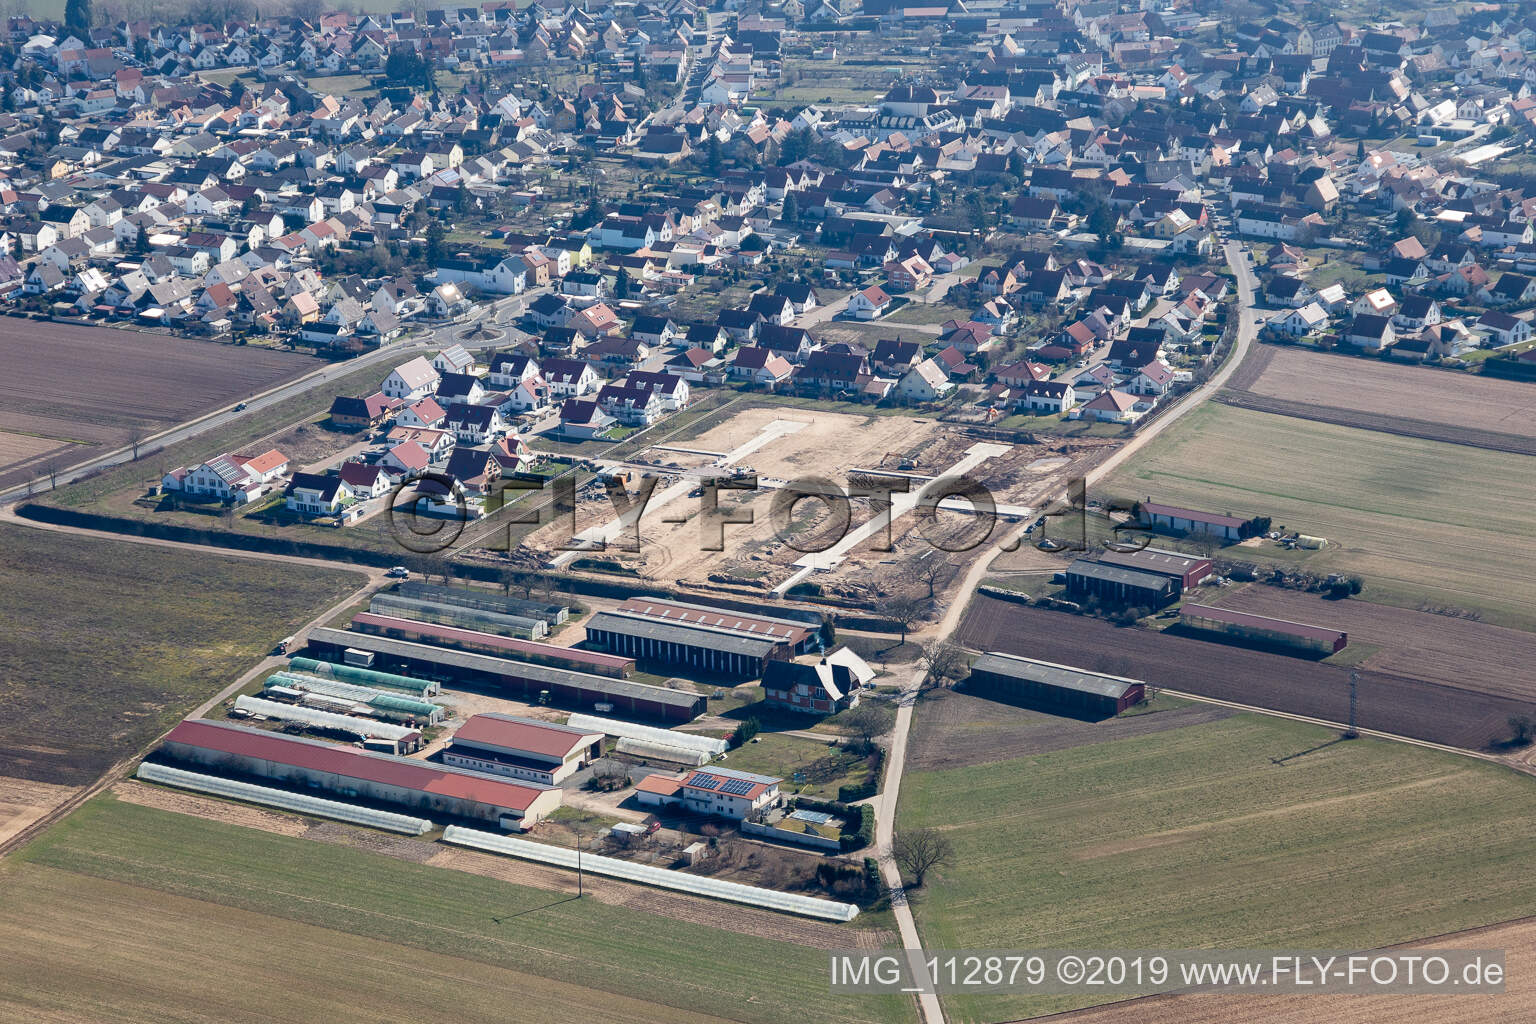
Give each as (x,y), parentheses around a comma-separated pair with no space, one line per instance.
(1388,702)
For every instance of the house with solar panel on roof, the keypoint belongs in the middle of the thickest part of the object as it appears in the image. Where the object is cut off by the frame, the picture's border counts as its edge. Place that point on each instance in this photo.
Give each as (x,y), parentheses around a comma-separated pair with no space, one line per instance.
(716,792)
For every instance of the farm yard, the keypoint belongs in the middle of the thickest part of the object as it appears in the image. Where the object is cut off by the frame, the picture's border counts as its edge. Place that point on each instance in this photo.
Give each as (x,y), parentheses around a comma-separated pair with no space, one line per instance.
(1424,522)
(1418,645)
(72,391)
(1391,703)
(1321,845)
(106,670)
(1415,401)
(191,884)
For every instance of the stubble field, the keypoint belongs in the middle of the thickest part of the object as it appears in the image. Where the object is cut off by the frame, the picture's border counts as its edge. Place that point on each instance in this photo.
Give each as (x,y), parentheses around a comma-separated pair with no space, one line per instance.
(1424,522)
(1248,832)
(163,899)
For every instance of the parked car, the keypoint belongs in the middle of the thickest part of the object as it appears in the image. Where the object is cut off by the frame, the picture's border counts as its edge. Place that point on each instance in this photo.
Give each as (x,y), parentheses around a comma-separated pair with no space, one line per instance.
(398,572)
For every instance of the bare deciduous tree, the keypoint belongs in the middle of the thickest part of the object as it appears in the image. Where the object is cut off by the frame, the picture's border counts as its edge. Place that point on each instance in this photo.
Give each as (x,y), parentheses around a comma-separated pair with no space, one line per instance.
(904,610)
(920,851)
(867,722)
(947,664)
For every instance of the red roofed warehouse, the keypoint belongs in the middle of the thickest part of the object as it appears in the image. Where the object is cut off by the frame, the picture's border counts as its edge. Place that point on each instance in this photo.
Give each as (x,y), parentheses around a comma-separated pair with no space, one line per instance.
(348,773)
(522,748)
(1171,519)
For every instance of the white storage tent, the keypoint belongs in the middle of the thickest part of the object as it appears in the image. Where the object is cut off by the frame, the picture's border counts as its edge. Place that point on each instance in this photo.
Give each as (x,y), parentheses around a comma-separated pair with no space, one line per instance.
(710,745)
(283,800)
(364,727)
(646,874)
(661,752)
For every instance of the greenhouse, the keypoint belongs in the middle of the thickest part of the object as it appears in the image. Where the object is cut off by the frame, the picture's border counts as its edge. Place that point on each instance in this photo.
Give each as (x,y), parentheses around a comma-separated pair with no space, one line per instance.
(517,626)
(281,799)
(385,705)
(645,874)
(365,676)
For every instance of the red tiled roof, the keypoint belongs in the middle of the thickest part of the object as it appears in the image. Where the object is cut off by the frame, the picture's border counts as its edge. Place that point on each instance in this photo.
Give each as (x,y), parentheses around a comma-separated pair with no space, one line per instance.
(351,763)
(511,733)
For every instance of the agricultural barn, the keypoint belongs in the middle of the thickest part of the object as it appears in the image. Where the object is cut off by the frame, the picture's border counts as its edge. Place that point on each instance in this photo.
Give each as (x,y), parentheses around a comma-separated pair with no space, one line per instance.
(1171,519)
(518,678)
(819,689)
(1186,570)
(800,636)
(522,748)
(1263,631)
(520,627)
(463,597)
(553,655)
(703,648)
(721,792)
(1055,688)
(1121,586)
(349,773)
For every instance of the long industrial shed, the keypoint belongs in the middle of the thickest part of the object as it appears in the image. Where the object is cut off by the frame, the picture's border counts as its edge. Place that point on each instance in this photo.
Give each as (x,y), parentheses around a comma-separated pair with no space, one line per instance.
(571,689)
(351,773)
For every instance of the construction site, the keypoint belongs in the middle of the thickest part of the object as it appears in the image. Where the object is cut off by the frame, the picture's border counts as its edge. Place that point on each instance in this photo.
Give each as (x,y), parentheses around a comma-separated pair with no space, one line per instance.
(782,537)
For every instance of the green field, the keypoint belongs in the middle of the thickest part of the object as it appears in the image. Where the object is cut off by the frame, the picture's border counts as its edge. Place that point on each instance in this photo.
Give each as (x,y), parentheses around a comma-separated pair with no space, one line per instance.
(108,643)
(1424,522)
(1195,837)
(631,963)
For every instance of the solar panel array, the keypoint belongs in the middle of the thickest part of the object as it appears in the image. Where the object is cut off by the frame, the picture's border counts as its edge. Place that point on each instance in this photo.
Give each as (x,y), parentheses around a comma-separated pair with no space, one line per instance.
(702,780)
(737,787)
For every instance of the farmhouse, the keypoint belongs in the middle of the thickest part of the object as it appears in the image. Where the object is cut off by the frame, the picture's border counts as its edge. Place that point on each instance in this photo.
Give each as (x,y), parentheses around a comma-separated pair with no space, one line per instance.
(718,792)
(1245,627)
(820,689)
(1050,687)
(522,748)
(349,774)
